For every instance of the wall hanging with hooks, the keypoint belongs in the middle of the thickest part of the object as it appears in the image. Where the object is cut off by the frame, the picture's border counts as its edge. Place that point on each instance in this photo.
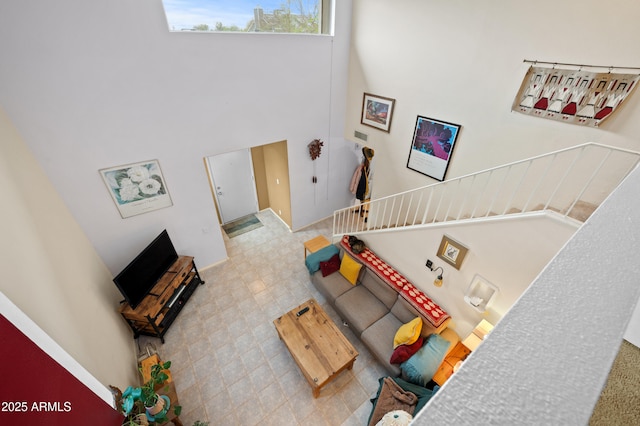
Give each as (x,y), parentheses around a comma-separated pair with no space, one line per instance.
(574,93)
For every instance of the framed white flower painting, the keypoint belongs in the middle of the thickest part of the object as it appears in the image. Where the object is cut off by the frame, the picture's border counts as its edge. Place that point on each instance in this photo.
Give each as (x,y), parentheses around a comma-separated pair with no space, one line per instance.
(137,188)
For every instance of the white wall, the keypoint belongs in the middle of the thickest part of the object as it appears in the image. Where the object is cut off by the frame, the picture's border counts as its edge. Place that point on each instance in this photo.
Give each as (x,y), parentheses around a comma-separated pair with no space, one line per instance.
(98,84)
(51,271)
(462,62)
(632,334)
(509,253)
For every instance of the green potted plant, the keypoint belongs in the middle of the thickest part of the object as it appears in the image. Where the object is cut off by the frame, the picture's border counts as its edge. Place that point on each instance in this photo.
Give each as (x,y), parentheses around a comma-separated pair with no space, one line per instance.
(141,403)
(152,401)
(131,406)
(137,415)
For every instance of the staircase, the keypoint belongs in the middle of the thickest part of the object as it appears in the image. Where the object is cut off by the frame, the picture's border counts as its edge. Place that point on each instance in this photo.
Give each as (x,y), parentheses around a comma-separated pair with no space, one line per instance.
(568,184)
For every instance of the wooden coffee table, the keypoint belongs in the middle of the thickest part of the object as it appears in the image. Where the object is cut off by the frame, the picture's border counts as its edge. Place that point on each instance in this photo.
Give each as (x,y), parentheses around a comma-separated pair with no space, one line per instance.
(316,344)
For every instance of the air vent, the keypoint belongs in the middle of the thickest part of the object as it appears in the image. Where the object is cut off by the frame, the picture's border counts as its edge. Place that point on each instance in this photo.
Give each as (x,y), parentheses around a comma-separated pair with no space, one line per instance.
(360,135)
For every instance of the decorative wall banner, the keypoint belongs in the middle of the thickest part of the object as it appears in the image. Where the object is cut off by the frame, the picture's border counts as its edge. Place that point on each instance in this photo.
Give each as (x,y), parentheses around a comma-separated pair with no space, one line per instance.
(577,97)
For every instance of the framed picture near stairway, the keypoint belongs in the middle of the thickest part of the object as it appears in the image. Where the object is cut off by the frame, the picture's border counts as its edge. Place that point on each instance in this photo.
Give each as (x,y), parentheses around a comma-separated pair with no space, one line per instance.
(377,111)
(432,147)
(452,251)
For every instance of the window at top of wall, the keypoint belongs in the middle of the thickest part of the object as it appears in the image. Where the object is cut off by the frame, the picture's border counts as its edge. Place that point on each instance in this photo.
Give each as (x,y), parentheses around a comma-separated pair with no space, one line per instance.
(249,16)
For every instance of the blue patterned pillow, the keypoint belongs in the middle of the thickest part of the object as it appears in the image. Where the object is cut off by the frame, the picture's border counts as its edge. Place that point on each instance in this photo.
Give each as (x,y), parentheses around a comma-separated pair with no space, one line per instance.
(420,368)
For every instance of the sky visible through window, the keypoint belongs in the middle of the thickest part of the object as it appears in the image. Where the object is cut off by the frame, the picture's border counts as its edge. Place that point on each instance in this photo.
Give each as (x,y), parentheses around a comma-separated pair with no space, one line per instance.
(187,14)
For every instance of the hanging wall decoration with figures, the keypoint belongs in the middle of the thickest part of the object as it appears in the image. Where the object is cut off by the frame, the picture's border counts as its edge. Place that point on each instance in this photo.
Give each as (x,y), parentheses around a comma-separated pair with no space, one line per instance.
(573,96)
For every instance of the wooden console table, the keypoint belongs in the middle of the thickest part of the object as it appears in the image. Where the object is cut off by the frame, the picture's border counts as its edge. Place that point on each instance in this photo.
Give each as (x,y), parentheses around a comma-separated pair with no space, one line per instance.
(157,311)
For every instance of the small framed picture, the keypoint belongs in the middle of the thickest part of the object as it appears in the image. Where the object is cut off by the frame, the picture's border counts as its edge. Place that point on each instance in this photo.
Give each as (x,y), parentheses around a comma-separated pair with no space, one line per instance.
(452,251)
(137,188)
(432,147)
(377,111)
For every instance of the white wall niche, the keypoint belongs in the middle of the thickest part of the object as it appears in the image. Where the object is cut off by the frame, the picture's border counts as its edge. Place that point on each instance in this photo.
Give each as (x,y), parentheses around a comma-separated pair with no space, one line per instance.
(480,293)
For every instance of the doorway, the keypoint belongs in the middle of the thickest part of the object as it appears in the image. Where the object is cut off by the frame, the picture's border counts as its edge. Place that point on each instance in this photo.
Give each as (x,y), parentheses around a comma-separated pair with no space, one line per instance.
(233,185)
(267,176)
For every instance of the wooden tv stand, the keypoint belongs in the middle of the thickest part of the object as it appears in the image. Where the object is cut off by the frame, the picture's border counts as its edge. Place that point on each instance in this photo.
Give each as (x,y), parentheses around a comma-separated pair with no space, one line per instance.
(160,307)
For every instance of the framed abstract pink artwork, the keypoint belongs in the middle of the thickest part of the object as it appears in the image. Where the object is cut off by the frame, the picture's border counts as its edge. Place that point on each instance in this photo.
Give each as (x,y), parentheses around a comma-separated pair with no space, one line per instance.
(432,147)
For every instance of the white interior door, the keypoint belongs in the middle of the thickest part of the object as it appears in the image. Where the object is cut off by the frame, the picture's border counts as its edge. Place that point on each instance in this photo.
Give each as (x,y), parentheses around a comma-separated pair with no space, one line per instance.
(234,184)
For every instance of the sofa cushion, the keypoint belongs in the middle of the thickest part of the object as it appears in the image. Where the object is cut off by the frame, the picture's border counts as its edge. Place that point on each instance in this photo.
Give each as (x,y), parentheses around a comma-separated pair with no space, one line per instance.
(350,269)
(383,291)
(404,352)
(330,286)
(450,335)
(379,339)
(330,266)
(405,313)
(360,308)
(421,367)
(408,333)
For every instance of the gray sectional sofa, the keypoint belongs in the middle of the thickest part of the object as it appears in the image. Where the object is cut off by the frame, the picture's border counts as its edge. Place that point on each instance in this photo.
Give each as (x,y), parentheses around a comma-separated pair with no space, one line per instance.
(372,309)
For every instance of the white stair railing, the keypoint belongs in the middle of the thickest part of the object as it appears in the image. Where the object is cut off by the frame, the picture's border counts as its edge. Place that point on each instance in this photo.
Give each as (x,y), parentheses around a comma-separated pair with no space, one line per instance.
(571,182)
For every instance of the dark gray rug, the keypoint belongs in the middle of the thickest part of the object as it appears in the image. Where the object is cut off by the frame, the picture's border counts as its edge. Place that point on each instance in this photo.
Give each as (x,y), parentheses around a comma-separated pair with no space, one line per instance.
(242,225)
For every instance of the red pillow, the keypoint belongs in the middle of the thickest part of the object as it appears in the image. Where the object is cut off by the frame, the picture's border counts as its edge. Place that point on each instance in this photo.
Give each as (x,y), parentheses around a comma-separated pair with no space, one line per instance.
(404,352)
(330,266)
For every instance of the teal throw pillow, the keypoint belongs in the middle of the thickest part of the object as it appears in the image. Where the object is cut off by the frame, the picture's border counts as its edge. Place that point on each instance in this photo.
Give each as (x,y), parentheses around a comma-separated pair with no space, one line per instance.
(420,368)
(313,260)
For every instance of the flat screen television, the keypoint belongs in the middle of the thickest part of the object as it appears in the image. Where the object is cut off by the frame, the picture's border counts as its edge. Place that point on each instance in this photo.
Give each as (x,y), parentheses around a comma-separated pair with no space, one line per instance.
(138,278)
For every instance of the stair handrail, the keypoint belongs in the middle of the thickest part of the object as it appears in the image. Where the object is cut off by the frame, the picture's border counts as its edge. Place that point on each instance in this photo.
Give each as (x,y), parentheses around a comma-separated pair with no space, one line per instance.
(514,163)
(490,170)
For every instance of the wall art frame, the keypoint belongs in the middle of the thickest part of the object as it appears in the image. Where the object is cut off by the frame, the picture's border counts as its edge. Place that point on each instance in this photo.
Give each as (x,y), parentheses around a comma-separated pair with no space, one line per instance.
(432,147)
(452,251)
(137,188)
(377,111)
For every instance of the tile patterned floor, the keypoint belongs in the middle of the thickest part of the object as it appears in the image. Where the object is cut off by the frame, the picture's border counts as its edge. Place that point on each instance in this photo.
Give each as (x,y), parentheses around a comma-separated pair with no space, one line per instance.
(230,367)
